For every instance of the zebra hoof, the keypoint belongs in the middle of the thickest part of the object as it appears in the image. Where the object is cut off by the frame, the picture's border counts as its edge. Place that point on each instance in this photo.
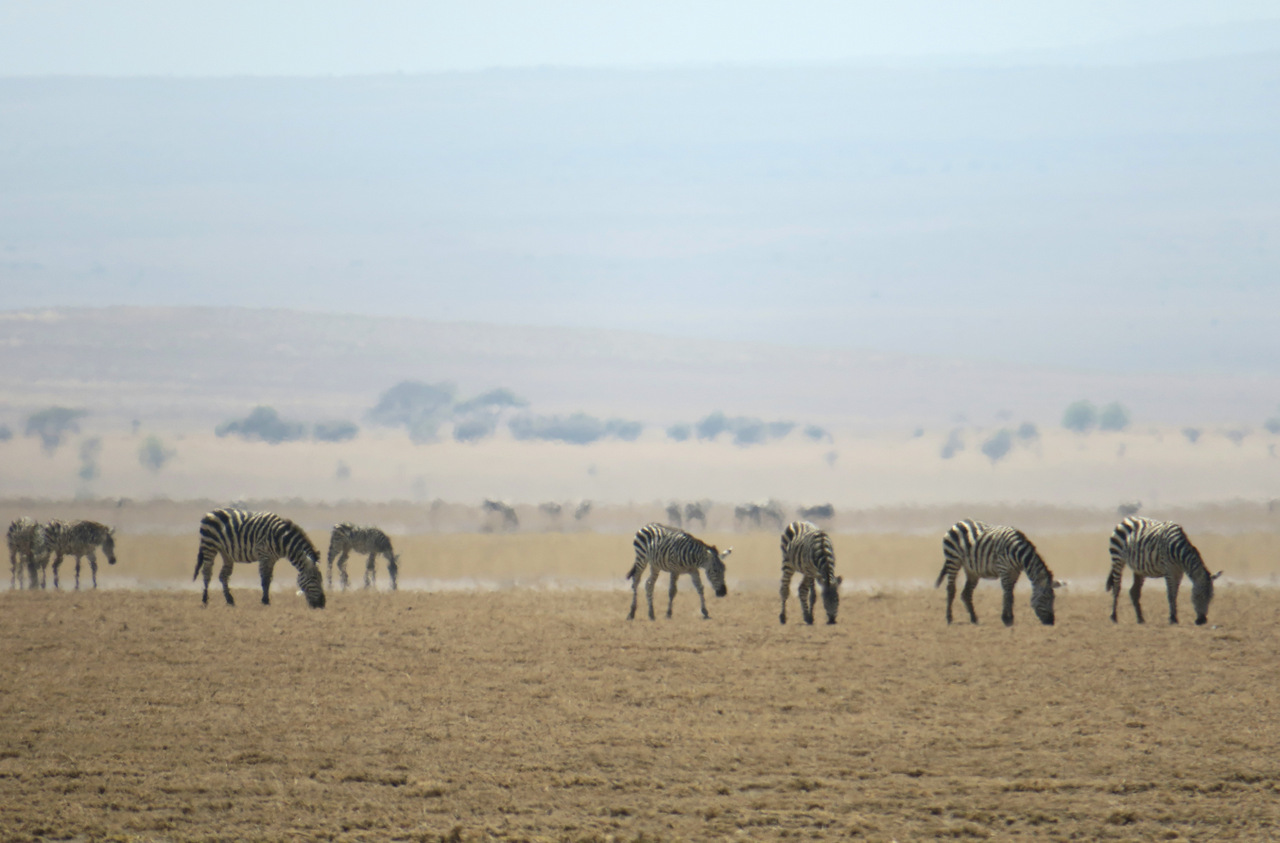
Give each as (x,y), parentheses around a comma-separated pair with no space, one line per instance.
(1201,620)
(831,621)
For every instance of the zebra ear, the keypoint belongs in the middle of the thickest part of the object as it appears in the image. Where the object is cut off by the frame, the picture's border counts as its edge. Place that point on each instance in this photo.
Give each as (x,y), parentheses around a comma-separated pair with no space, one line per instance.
(839,580)
(724,554)
(1215,576)
(1059,584)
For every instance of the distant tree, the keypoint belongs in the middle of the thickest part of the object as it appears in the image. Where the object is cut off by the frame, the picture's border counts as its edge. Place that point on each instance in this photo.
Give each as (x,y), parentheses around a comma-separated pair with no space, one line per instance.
(577,429)
(1028,431)
(679,432)
(749,431)
(334,431)
(6,433)
(475,428)
(1236,436)
(953,445)
(1192,434)
(1082,416)
(998,445)
(53,424)
(627,431)
(1272,425)
(712,426)
(152,453)
(815,433)
(745,430)
(418,407)
(90,450)
(493,399)
(262,424)
(1113,417)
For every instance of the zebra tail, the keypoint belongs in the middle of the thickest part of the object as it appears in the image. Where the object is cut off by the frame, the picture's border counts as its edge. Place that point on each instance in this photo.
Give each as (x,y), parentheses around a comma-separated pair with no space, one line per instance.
(634,572)
(198,565)
(1113,582)
(942,576)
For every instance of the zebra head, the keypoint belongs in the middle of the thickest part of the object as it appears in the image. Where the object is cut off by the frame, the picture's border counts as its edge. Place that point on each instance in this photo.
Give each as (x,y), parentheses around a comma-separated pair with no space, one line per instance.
(310,583)
(1042,594)
(1202,595)
(715,569)
(831,597)
(109,546)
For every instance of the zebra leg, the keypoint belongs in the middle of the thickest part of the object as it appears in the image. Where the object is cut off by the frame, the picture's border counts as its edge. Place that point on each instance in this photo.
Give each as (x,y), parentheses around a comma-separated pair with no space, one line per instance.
(93,566)
(671,593)
(784,591)
(635,591)
(225,577)
(57,563)
(13,569)
(370,575)
(266,569)
(1135,594)
(966,596)
(951,593)
(77,572)
(648,589)
(342,568)
(392,569)
(702,598)
(1115,594)
(1006,613)
(1172,581)
(806,598)
(206,568)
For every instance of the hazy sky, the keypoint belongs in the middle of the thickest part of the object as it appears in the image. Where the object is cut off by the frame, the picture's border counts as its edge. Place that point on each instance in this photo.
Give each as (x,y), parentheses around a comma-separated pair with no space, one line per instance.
(339,37)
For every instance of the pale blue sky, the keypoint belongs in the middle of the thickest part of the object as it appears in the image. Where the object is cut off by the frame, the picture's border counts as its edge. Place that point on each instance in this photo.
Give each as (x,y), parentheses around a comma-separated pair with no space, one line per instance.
(343,37)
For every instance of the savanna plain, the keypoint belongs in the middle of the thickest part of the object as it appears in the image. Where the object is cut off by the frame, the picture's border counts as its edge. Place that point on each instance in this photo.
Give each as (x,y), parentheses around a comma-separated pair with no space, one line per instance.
(540,713)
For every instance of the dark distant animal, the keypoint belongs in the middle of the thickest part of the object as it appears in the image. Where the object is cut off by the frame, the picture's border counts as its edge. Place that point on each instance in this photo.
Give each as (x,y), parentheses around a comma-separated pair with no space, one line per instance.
(28,552)
(765,514)
(262,537)
(820,512)
(79,539)
(807,551)
(582,511)
(509,519)
(695,512)
(1158,549)
(1124,510)
(349,538)
(673,515)
(1003,553)
(662,548)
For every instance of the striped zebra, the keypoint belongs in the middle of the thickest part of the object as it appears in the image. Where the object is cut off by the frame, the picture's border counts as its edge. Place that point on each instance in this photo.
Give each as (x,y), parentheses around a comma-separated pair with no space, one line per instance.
(261,537)
(670,549)
(79,539)
(28,552)
(806,550)
(987,552)
(1158,549)
(348,538)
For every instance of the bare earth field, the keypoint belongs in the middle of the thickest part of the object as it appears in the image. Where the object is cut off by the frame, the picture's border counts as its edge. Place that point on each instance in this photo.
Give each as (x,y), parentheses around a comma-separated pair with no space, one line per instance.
(541,713)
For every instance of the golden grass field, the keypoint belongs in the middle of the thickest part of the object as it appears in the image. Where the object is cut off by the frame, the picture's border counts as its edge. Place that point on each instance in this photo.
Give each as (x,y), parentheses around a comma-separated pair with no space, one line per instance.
(540,713)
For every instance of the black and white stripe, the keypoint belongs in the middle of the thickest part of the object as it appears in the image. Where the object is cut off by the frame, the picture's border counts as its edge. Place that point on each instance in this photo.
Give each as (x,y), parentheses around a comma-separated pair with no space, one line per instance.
(1158,549)
(807,551)
(1003,553)
(79,539)
(349,538)
(261,537)
(28,553)
(663,548)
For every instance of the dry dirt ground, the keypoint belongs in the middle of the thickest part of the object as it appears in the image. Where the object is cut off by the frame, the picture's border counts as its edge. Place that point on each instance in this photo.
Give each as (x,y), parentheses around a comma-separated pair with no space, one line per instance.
(537,713)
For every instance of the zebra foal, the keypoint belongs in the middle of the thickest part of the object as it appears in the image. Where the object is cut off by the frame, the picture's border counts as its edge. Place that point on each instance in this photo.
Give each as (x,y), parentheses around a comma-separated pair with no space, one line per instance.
(349,538)
(28,552)
(262,537)
(988,552)
(806,550)
(662,548)
(1158,549)
(79,539)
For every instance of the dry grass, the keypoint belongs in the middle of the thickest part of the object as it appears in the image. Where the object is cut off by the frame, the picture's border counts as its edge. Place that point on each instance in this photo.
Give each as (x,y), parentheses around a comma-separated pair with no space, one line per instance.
(527,714)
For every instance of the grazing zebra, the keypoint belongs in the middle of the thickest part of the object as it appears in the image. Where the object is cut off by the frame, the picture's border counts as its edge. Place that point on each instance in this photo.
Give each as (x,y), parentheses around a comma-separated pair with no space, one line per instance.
(347,538)
(695,512)
(806,550)
(673,514)
(671,549)
(820,512)
(79,539)
(28,551)
(261,537)
(987,552)
(1158,549)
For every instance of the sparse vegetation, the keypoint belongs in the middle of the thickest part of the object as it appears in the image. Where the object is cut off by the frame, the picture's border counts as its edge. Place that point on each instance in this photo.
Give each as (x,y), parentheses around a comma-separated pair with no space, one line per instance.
(152,454)
(1114,417)
(263,424)
(1272,425)
(90,450)
(680,432)
(475,428)
(577,429)
(53,424)
(816,433)
(953,445)
(1028,431)
(745,430)
(6,433)
(1192,434)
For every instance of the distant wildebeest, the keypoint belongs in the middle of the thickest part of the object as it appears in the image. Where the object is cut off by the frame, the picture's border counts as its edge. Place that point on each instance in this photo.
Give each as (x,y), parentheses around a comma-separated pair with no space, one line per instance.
(673,515)
(767,514)
(1124,510)
(505,512)
(582,511)
(695,512)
